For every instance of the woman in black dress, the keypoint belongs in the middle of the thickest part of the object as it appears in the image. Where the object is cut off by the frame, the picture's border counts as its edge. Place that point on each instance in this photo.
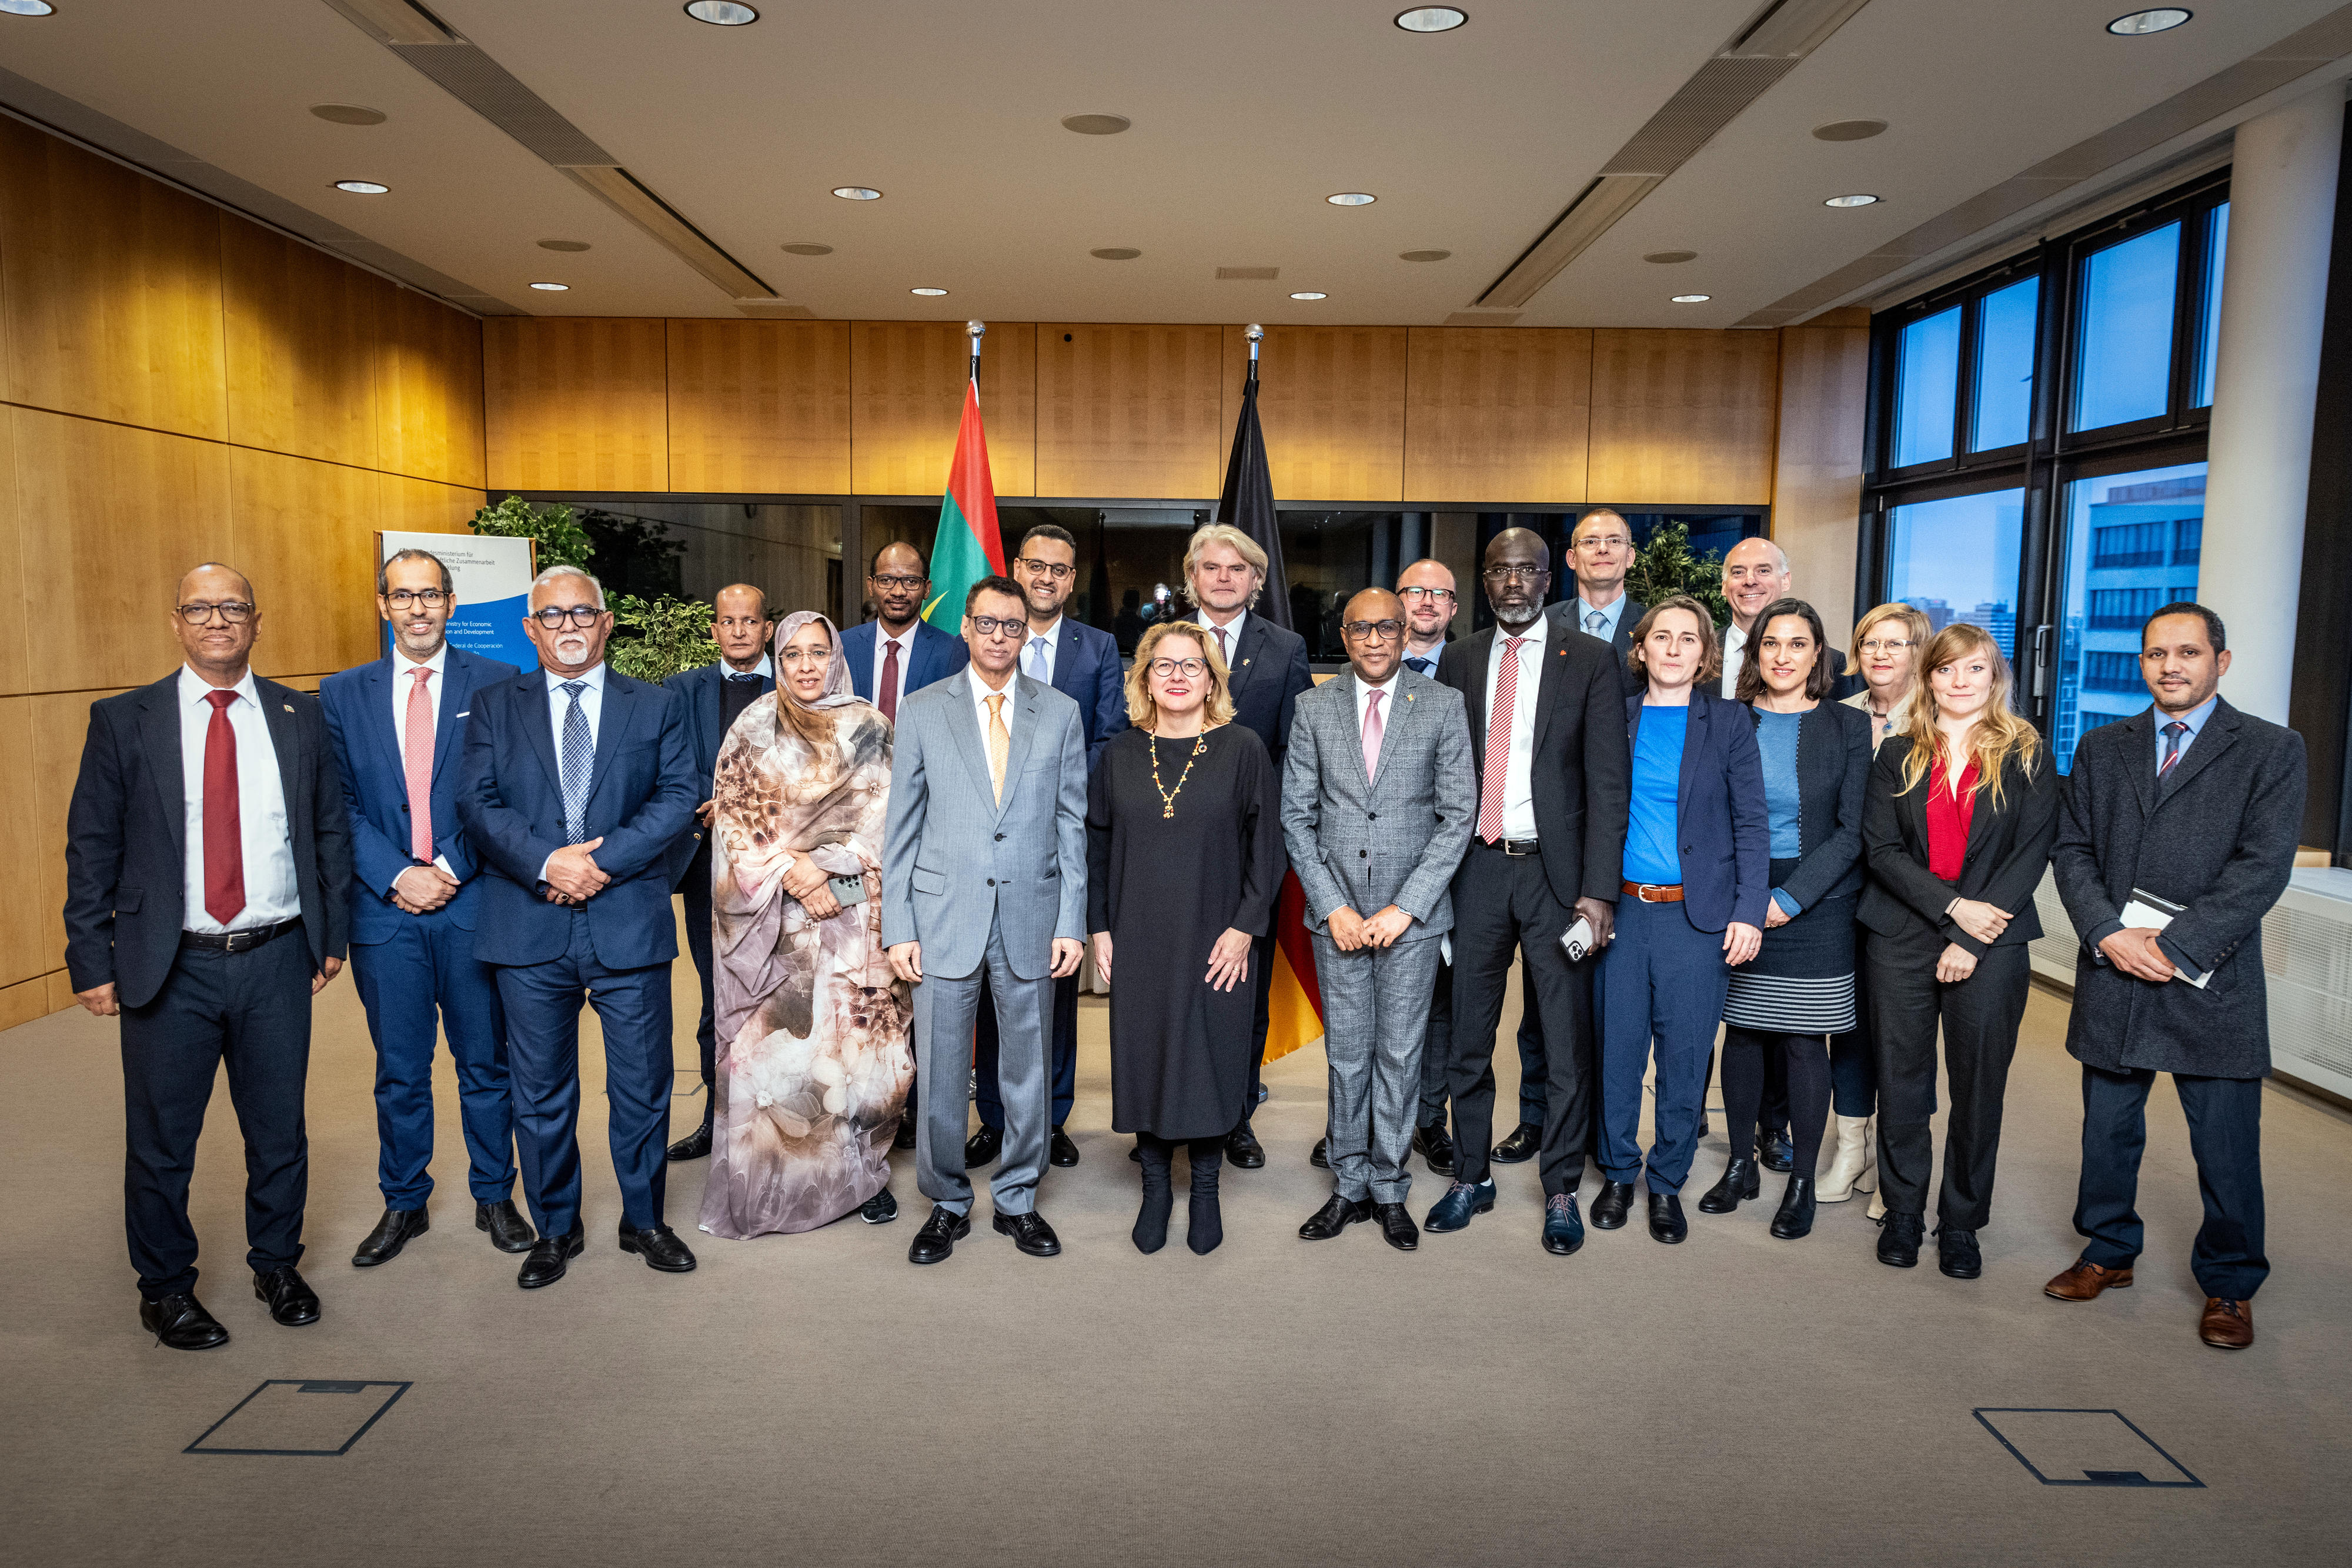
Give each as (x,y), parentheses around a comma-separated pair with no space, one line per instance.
(1183,861)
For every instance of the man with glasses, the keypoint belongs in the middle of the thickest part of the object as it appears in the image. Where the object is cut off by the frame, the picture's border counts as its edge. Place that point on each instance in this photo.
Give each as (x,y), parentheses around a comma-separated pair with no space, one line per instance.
(207,877)
(897,654)
(984,871)
(577,785)
(716,696)
(1082,663)
(1426,590)
(398,725)
(1600,553)
(1377,801)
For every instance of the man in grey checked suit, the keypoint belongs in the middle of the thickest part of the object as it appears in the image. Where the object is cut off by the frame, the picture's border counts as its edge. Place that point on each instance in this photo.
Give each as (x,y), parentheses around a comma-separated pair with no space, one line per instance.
(984,871)
(1377,802)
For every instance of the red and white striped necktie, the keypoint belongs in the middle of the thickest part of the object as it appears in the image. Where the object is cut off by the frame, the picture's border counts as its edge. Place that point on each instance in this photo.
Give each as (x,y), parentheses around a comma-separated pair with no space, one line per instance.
(1498,742)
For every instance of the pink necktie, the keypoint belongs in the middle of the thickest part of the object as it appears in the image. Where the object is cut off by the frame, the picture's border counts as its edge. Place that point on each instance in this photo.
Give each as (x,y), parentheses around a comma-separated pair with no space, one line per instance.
(1498,742)
(416,755)
(1372,734)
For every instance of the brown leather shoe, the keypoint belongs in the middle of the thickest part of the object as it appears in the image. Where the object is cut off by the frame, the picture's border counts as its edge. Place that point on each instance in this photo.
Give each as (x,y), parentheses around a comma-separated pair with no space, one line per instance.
(2085,1280)
(2227,1325)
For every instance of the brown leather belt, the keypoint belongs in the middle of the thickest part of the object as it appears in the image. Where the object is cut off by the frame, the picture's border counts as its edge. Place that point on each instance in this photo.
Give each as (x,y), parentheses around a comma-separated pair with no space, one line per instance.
(1650,892)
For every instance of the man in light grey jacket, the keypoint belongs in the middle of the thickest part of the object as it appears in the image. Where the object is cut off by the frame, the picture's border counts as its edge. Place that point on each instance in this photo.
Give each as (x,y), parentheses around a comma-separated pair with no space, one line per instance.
(984,873)
(1377,804)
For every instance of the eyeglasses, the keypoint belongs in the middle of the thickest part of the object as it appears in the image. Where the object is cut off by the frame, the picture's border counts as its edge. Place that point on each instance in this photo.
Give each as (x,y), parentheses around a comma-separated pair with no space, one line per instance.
(807,655)
(989,626)
(404,598)
(555,615)
(1190,669)
(901,584)
(1420,593)
(1603,541)
(1885,645)
(1370,631)
(1515,573)
(1057,571)
(233,612)
(741,622)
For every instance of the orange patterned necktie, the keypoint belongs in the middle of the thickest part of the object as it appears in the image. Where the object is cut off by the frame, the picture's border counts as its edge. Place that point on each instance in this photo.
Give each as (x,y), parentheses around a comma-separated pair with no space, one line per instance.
(1000,741)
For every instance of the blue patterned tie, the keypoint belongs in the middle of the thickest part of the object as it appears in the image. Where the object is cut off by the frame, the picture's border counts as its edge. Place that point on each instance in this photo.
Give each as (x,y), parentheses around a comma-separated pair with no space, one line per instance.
(579,762)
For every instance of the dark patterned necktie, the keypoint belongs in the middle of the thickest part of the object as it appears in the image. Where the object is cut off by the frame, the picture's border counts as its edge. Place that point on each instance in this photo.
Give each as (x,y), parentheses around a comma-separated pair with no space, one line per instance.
(2172,742)
(579,760)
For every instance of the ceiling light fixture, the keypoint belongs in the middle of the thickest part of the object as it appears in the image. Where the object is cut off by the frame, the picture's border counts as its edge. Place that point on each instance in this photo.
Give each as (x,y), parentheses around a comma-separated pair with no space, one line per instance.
(928,293)
(1856,200)
(1424,254)
(348,113)
(552,288)
(1668,257)
(1431,19)
(1115,253)
(857,192)
(1351,199)
(1849,130)
(1691,298)
(807,247)
(1309,294)
(27,8)
(566,246)
(361,187)
(1096,124)
(721,13)
(2139,24)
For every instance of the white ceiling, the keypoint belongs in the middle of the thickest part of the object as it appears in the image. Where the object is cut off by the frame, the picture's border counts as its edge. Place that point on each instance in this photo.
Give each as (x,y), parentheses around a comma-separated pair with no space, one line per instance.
(1246,115)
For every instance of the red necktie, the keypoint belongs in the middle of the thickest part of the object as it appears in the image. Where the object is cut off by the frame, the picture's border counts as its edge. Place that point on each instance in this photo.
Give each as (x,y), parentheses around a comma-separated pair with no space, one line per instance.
(416,755)
(1498,742)
(224,835)
(889,691)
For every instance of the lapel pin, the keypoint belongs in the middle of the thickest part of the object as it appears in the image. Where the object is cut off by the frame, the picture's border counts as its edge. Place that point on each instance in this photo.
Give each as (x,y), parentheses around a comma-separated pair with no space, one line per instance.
(287,706)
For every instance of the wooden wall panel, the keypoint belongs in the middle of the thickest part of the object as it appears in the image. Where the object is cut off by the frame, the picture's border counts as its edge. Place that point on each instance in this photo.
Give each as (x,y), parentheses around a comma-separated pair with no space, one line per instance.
(419,506)
(305,533)
(302,332)
(1817,475)
(428,379)
(56,724)
(1129,410)
(762,406)
(575,403)
(1332,403)
(113,289)
(17,672)
(23,915)
(1497,415)
(906,387)
(1682,416)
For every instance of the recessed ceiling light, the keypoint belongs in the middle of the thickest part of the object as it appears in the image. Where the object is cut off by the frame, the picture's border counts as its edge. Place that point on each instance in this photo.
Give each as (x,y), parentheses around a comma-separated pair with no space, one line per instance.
(361,187)
(928,293)
(807,247)
(566,246)
(1351,199)
(1691,298)
(1431,19)
(1096,124)
(721,13)
(1423,255)
(1856,200)
(1668,257)
(552,288)
(1849,130)
(1309,294)
(1115,253)
(348,113)
(2139,24)
(857,192)
(27,8)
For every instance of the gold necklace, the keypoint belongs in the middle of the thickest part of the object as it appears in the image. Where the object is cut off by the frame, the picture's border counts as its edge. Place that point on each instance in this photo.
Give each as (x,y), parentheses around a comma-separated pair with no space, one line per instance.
(1168,796)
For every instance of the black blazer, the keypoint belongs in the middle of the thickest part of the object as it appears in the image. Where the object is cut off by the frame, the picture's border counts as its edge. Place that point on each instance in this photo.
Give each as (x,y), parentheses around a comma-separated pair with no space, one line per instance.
(2218,836)
(1581,769)
(704,688)
(2008,848)
(1265,674)
(1833,776)
(127,827)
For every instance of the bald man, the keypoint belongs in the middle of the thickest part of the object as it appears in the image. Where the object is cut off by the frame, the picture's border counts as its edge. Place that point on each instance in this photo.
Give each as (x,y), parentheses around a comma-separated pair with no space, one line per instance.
(1755,573)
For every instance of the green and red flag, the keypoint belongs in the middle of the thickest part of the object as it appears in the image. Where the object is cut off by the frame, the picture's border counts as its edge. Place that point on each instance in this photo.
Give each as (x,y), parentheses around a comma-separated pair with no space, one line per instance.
(967,547)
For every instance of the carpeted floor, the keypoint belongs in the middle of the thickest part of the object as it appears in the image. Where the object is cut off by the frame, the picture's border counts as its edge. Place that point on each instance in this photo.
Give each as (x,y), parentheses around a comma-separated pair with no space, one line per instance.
(815,1399)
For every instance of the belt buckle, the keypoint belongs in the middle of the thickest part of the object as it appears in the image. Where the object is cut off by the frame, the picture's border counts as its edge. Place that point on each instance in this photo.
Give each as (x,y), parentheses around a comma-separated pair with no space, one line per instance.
(1644,892)
(1516,854)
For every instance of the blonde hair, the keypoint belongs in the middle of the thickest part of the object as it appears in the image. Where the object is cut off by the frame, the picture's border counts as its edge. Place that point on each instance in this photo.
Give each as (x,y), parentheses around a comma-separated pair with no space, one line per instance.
(1710,662)
(1224,534)
(1915,623)
(1142,711)
(1999,734)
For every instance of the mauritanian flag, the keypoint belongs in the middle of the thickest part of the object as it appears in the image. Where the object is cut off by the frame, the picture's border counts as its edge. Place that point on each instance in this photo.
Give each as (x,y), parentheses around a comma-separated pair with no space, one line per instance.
(967,547)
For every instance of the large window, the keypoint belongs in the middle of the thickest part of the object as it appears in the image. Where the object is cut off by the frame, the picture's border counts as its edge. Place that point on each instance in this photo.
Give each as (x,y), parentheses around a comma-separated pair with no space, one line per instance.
(2121,367)
(2160,512)
(1956,559)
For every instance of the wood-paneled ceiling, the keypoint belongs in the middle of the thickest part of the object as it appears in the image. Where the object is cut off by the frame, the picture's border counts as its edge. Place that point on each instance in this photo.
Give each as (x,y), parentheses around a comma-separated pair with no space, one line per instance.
(1245,116)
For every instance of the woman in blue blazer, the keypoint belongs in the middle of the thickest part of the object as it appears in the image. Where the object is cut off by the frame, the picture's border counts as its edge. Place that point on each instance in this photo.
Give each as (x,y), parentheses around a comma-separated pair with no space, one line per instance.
(1697,873)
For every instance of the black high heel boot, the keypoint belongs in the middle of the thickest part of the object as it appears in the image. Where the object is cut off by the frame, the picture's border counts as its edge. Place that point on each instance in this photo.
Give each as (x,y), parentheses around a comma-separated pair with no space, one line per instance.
(1796,1216)
(1206,1228)
(1152,1220)
(1740,1181)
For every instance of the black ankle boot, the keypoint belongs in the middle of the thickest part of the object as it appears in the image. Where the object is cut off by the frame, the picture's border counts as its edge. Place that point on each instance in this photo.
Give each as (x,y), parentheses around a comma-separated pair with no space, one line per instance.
(1796,1216)
(1207,1225)
(1740,1181)
(1152,1220)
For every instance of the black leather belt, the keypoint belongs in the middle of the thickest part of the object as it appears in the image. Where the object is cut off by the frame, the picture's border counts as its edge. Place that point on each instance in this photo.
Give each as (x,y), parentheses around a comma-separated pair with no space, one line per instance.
(1517,849)
(236,941)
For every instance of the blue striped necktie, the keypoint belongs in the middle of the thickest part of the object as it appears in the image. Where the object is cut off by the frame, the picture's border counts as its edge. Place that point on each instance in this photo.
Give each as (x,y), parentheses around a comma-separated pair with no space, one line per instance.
(579,761)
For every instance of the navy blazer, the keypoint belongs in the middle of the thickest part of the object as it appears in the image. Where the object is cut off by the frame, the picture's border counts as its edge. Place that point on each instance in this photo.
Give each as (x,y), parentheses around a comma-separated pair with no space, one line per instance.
(358,708)
(1833,776)
(1726,837)
(703,689)
(641,797)
(933,657)
(1087,670)
(1266,673)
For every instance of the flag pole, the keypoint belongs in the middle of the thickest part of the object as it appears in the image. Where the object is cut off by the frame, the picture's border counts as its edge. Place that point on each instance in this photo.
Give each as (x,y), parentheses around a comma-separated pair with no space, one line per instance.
(1256,335)
(976,330)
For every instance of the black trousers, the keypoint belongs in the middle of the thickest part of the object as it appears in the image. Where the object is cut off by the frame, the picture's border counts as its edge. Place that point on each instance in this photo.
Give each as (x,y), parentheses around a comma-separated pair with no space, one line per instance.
(250,1010)
(1503,906)
(2225,1134)
(1437,1050)
(1980,1016)
(697,893)
(1262,983)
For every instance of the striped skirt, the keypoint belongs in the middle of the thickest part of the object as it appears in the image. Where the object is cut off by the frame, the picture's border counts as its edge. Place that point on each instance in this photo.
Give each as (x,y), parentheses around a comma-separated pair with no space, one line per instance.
(1803,980)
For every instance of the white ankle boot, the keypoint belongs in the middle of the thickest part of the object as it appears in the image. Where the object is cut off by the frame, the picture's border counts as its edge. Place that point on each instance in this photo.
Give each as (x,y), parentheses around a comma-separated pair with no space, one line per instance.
(1852,1166)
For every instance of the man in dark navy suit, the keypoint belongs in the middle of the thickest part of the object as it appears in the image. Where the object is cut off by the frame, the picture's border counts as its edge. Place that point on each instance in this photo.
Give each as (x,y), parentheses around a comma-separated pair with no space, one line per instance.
(1082,663)
(398,725)
(578,784)
(716,696)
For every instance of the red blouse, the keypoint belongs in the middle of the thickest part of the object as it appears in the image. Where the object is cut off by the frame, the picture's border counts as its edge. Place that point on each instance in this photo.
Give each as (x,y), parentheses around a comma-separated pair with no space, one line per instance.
(1948,822)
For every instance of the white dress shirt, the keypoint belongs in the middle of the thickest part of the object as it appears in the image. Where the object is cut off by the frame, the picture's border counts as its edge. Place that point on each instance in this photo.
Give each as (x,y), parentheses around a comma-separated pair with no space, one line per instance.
(1388,689)
(404,676)
(1037,663)
(882,641)
(1735,646)
(1611,614)
(1232,631)
(1518,787)
(265,838)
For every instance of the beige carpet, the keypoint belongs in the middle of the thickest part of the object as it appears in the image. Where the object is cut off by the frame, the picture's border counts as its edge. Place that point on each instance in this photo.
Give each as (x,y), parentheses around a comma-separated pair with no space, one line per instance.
(815,1399)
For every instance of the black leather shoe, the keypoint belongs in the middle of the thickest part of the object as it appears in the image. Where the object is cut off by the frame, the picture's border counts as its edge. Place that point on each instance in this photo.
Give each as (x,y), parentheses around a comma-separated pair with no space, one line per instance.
(1061,1152)
(1666,1221)
(1704,1129)
(1795,1218)
(1774,1151)
(983,1147)
(1435,1147)
(1242,1148)
(550,1256)
(658,1245)
(903,1138)
(1740,1180)
(1335,1217)
(1956,1252)
(1563,1232)
(938,1236)
(880,1210)
(391,1234)
(1396,1225)
(181,1323)
(1521,1145)
(1030,1233)
(291,1301)
(1609,1204)
(695,1145)
(1319,1156)
(1898,1241)
(508,1230)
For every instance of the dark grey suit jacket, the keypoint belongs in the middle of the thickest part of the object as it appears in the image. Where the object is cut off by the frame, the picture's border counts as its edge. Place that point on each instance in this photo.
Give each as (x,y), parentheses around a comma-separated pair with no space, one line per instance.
(2218,836)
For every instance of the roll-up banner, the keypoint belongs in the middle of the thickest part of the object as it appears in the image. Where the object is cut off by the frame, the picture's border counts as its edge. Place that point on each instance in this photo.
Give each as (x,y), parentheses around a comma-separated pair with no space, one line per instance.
(492,575)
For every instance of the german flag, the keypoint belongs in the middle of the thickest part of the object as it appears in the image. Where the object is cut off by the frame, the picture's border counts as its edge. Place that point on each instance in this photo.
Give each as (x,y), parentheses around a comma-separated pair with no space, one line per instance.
(1294,1005)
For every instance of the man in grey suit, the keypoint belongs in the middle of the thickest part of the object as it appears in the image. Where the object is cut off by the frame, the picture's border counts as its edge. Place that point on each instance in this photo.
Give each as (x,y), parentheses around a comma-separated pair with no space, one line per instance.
(1377,800)
(984,873)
